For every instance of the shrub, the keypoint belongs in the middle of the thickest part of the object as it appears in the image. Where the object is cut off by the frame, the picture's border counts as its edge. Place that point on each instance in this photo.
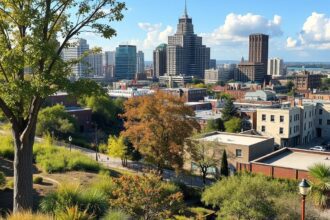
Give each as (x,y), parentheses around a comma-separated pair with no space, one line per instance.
(105,184)
(10,184)
(116,215)
(93,201)
(37,180)
(7,147)
(28,216)
(2,179)
(73,213)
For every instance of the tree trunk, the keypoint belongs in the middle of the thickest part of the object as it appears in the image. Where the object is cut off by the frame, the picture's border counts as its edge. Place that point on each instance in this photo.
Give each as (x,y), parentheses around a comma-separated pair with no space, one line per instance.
(23,170)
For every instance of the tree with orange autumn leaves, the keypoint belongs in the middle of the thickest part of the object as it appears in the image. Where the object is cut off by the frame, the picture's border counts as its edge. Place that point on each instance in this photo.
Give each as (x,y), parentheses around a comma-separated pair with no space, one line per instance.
(147,197)
(158,125)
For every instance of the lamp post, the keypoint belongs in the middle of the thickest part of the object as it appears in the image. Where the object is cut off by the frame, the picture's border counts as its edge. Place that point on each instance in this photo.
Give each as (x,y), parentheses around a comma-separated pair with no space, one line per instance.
(303,190)
(70,139)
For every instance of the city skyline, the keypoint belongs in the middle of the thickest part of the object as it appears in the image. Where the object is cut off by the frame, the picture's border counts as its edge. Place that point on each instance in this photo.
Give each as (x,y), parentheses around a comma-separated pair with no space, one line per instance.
(225,27)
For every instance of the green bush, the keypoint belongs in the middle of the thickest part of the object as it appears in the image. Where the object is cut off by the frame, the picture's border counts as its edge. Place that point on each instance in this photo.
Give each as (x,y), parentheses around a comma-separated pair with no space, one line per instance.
(2,179)
(10,184)
(38,180)
(105,184)
(93,201)
(7,147)
(74,213)
(116,215)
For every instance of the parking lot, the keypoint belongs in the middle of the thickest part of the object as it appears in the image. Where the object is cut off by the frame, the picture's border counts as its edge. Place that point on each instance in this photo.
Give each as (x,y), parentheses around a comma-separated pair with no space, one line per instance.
(315,142)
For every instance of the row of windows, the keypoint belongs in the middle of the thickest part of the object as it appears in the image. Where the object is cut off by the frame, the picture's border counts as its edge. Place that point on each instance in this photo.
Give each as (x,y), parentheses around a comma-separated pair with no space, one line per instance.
(272,118)
(281,130)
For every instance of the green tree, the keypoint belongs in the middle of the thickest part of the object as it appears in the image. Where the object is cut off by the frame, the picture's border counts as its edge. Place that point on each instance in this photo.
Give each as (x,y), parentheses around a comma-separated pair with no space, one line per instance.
(229,110)
(204,155)
(146,197)
(290,85)
(224,170)
(320,179)
(118,149)
(214,125)
(31,67)
(55,119)
(233,125)
(2,179)
(243,197)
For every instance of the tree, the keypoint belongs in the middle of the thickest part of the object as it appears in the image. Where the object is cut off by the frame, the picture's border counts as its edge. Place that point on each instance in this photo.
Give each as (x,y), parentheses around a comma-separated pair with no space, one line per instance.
(157,126)
(290,85)
(2,179)
(243,197)
(233,125)
(146,197)
(204,155)
(117,148)
(214,125)
(55,119)
(320,178)
(224,170)
(229,110)
(31,67)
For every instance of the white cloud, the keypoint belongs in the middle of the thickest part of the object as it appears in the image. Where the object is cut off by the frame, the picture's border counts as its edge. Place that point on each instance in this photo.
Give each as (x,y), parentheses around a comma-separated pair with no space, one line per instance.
(155,35)
(315,33)
(237,27)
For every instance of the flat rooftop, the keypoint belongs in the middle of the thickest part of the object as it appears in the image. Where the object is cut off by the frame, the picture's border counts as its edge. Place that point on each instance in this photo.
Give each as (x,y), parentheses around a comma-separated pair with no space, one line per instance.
(295,159)
(230,138)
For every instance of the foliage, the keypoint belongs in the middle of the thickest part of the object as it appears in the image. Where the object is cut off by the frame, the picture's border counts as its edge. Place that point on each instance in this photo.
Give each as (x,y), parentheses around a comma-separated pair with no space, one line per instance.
(146,197)
(289,85)
(93,201)
(28,215)
(229,110)
(197,81)
(57,159)
(118,149)
(233,125)
(105,112)
(243,197)
(325,84)
(74,213)
(320,189)
(214,125)
(105,184)
(2,179)
(116,215)
(157,126)
(55,119)
(224,96)
(224,170)
(38,180)
(31,67)
(7,147)
(204,155)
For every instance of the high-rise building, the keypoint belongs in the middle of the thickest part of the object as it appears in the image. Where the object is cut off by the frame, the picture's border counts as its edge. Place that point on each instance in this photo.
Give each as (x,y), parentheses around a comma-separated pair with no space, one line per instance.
(108,64)
(75,51)
(258,49)
(159,58)
(186,55)
(139,62)
(95,64)
(275,67)
(125,62)
(213,64)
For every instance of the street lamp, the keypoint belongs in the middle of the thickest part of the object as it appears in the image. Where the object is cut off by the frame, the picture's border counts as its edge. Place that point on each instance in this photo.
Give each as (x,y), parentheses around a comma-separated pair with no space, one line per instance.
(70,139)
(303,190)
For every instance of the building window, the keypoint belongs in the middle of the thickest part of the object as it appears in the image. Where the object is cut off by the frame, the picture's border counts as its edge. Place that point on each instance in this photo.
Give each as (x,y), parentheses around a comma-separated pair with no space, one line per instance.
(263,117)
(290,131)
(320,121)
(328,122)
(290,118)
(305,114)
(320,111)
(263,128)
(272,118)
(281,130)
(304,126)
(238,153)
(281,118)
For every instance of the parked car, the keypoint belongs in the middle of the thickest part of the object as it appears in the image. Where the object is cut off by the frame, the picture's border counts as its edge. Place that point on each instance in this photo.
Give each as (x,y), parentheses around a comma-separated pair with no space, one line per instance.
(318,148)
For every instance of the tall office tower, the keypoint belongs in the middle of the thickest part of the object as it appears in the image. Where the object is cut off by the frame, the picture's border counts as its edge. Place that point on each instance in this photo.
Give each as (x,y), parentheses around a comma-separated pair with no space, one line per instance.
(139,62)
(258,49)
(108,64)
(75,51)
(275,67)
(159,56)
(125,62)
(95,64)
(185,52)
(213,64)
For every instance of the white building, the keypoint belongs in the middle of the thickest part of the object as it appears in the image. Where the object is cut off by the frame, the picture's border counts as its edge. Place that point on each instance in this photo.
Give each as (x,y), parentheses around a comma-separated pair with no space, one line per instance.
(74,52)
(139,62)
(275,67)
(95,64)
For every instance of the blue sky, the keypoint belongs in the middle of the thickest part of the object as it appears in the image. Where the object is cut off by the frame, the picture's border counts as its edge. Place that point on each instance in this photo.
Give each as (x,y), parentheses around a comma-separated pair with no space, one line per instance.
(299,29)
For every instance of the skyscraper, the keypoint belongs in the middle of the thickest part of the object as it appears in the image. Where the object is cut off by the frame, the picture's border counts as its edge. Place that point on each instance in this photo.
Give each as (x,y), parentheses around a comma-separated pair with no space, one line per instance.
(95,64)
(109,58)
(275,67)
(159,58)
(185,52)
(139,62)
(258,49)
(74,52)
(125,62)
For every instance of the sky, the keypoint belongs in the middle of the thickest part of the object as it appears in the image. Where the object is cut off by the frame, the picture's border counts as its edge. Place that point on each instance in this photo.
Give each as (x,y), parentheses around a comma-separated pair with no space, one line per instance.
(299,29)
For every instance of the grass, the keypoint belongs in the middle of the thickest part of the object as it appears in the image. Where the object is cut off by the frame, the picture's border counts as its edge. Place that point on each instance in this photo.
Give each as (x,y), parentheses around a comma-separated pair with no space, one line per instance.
(28,216)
